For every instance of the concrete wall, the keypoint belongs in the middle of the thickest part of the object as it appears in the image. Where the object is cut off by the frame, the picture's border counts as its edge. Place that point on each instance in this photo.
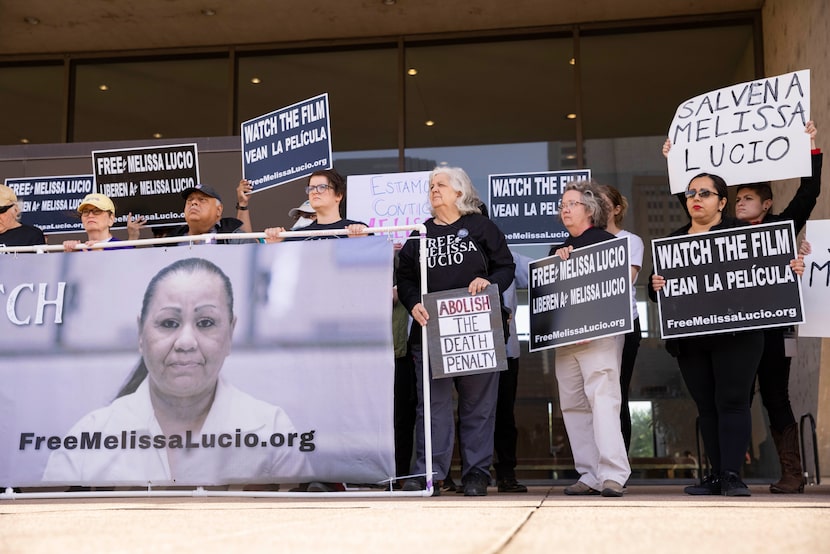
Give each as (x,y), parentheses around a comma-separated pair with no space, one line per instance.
(797,36)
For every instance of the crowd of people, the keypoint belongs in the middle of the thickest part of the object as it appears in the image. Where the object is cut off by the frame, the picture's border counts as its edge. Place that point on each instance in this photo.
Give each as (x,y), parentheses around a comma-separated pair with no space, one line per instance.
(476,410)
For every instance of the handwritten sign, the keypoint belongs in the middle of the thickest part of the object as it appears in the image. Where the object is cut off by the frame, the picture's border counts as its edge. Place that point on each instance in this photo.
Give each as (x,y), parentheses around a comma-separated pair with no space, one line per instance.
(729,280)
(147,181)
(587,296)
(816,281)
(745,133)
(465,335)
(525,206)
(51,203)
(287,144)
(389,200)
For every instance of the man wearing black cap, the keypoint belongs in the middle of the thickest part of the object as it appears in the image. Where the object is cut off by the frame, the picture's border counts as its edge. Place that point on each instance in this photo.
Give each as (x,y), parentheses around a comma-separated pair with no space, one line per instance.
(203,213)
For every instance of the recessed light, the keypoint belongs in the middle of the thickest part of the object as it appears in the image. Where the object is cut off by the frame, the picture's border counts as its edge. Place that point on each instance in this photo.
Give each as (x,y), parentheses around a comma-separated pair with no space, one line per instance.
(208,12)
(411,71)
(389,2)
(429,123)
(571,116)
(24,141)
(157,135)
(31,20)
(572,61)
(256,80)
(103,88)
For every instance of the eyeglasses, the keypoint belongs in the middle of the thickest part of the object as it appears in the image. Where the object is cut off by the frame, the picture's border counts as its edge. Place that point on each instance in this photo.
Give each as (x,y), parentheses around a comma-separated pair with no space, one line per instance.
(570,205)
(317,188)
(4,209)
(703,193)
(91,211)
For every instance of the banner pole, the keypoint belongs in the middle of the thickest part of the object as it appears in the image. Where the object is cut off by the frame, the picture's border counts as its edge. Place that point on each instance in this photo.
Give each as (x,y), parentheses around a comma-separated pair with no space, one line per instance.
(425,376)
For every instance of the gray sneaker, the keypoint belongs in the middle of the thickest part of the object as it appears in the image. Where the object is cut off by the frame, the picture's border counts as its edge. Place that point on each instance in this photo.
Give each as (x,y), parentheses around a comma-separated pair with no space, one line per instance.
(612,489)
(580,489)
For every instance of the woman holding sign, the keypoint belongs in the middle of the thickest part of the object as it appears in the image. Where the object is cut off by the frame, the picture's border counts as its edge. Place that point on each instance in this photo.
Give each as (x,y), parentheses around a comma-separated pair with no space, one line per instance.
(753,204)
(718,369)
(588,373)
(464,250)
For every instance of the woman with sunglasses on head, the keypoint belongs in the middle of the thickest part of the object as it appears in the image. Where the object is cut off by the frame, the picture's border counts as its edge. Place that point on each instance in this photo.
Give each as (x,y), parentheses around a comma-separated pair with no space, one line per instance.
(326,190)
(588,372)
(718,369)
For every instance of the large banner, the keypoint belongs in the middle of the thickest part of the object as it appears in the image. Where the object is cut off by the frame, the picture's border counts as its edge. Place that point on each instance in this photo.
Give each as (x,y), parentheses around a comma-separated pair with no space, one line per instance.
(745,133)
(51,203)
(729,280)
(202,365)
(525,206)
(287,144)
(587,296)
(147,181)
(389,200)
(816,281)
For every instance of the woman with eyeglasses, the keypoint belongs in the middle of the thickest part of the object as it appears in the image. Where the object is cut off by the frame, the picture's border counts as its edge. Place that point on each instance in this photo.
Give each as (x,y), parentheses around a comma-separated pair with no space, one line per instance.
(326,190)
(97,216)
(588,373)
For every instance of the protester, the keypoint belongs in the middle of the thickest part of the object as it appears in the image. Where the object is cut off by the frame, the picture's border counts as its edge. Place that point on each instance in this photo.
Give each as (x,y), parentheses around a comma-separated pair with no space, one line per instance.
(97,216)
(464,250)
(588,373)
(203,212)
(618,205)
(185,333)
(718,369)
(326,190)
(753,204)
(12,231)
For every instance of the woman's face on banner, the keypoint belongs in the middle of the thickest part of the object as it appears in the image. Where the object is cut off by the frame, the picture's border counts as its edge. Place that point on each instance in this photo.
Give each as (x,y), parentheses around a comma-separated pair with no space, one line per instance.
(187,333)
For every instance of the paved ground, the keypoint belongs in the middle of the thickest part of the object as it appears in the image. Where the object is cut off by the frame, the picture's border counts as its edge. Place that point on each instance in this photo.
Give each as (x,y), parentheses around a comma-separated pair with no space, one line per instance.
(649,519)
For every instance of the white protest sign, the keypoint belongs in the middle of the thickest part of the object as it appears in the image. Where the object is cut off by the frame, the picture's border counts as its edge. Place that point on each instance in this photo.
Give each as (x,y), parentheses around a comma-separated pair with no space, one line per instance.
(815,283)
(745,133)
(389,199)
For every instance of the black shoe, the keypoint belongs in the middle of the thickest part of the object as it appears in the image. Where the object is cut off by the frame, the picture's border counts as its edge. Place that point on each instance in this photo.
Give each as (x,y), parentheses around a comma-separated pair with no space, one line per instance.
(710,485)
(448,485)
(731,485)
(420,484)
(511,485)
(475,483)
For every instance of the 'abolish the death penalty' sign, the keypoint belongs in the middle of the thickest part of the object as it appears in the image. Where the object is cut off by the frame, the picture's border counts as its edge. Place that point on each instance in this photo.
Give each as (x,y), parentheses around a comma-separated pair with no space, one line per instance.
(465,334)
(587,296)
(730,280)
(745,133)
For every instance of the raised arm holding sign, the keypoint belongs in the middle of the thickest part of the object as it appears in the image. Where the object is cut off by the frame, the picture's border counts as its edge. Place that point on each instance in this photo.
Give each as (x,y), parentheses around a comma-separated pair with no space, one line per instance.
(745,133)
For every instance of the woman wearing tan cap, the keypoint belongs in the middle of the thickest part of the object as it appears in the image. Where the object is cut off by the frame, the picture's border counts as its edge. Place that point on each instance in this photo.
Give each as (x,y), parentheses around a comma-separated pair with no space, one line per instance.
(12,232)
(97,216)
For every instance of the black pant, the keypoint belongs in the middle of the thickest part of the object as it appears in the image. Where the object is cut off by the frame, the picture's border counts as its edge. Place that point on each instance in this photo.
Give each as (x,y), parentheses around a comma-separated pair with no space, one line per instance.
(629,357)
(406,402)
(506,435)
(719,371)
(774,380)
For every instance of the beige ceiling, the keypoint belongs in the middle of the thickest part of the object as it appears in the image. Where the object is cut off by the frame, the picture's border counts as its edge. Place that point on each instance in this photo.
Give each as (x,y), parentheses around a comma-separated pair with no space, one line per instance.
(77,26)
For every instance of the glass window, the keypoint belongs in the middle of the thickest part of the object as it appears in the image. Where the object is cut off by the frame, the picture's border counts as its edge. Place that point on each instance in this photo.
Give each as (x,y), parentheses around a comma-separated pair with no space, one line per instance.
(31,104)
(361,85)
(151,99)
